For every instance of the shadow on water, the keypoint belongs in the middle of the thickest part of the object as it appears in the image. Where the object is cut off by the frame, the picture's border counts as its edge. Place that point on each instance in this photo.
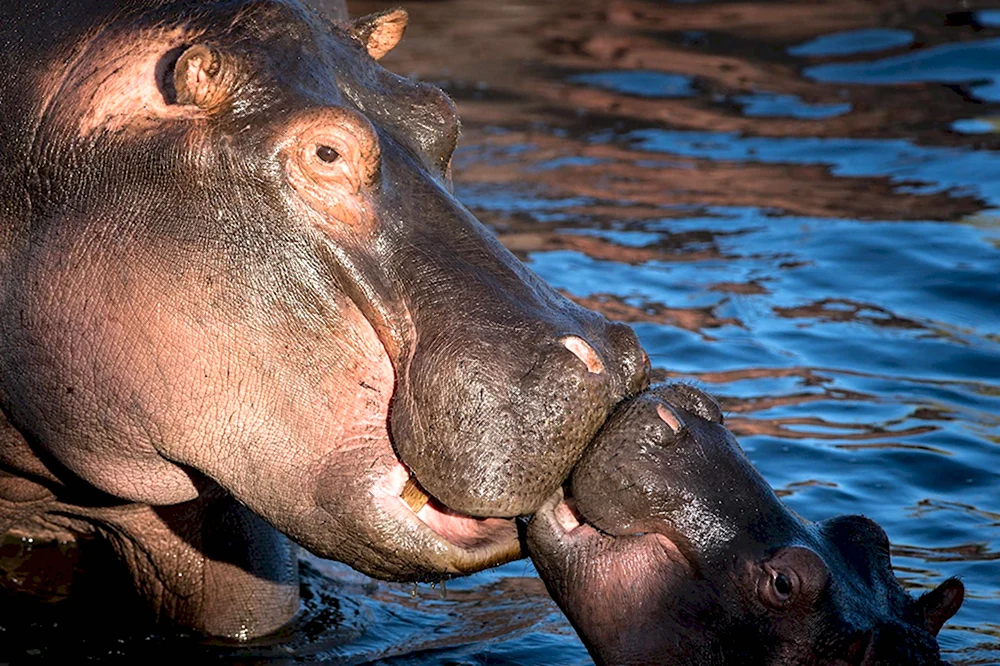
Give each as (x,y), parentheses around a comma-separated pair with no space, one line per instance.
(796,205)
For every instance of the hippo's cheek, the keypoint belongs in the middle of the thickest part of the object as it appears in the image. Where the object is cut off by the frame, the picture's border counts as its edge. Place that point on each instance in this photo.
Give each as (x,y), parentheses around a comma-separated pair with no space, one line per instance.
(286,411)
(330,478)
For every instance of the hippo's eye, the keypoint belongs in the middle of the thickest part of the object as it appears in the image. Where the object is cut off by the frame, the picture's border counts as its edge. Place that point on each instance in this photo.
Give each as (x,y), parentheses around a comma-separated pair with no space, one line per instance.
(782,585)
(327,154)
(778,588)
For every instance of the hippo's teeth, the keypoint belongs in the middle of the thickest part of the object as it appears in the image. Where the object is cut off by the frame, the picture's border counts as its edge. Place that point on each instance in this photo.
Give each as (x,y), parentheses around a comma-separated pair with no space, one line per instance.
(567,516)
(414,495)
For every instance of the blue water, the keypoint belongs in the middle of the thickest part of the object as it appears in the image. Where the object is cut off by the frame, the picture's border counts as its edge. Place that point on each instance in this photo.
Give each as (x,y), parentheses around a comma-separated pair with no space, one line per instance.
(989,18)
(787,106)
(801,216)
(973,63)
(640,83)
(853,42)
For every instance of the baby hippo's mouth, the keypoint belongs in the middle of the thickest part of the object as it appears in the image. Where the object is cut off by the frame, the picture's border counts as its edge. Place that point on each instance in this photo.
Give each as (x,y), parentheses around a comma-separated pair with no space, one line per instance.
(560,524)
(567,515)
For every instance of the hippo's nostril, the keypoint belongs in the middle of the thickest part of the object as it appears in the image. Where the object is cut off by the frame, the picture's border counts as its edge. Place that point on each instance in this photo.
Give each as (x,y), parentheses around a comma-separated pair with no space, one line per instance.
(669,417)
(585,353)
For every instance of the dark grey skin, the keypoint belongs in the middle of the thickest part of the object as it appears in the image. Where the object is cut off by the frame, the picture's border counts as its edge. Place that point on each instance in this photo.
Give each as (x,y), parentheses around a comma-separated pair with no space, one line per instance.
(674,550)
(240,309)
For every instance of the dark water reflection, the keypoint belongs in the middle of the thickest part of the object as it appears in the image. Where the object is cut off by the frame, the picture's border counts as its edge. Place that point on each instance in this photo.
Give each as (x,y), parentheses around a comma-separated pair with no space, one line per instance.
(797,206)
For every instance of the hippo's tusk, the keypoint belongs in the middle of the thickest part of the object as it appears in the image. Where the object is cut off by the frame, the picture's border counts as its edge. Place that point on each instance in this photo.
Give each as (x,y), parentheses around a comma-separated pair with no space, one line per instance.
(414,495)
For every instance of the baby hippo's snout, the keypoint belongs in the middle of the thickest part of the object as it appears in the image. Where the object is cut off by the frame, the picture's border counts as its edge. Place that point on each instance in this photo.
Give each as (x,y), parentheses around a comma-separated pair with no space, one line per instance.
(670,548)
(665,463)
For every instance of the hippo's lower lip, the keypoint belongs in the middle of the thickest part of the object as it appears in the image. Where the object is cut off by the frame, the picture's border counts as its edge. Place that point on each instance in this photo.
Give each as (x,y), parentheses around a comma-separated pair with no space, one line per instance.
(465,544)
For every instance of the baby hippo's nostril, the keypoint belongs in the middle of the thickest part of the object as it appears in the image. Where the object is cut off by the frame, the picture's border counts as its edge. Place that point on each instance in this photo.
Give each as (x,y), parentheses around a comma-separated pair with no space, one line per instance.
(585,353)
(669,417)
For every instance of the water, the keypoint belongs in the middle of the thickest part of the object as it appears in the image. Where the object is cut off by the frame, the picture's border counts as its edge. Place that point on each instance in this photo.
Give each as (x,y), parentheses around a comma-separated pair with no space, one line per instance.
(797,206)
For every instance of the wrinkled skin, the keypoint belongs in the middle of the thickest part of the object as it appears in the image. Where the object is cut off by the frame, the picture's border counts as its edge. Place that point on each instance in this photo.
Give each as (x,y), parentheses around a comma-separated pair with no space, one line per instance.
(674,550)
(240,308)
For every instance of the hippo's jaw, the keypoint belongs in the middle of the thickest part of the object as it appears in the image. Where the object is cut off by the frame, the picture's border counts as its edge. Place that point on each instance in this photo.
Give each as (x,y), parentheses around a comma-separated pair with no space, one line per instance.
(633,599)
(348,496)
(466,544)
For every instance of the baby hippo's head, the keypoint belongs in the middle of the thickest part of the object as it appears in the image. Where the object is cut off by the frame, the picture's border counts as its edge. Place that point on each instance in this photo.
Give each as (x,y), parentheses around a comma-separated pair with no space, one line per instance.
(670,548)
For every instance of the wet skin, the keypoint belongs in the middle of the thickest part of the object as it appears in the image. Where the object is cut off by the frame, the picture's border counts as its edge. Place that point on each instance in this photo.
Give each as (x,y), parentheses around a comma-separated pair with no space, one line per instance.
(672,549)
(242,310)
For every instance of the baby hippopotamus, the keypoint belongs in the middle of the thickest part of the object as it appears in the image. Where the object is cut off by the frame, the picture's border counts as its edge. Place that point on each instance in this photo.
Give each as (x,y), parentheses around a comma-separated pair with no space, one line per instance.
(670,548)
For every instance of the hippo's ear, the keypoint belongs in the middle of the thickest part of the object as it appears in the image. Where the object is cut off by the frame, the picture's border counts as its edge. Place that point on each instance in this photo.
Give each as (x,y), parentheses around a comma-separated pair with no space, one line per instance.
(380,32)
(938,605)
(202,77)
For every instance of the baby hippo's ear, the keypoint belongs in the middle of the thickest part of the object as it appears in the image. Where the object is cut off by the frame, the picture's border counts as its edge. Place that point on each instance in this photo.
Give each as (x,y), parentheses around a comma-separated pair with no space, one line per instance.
(941,603)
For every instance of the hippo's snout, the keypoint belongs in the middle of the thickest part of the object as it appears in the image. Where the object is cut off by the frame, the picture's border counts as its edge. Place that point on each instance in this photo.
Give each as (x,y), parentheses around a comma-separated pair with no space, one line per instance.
(500,381)
(495,429)
(699,487)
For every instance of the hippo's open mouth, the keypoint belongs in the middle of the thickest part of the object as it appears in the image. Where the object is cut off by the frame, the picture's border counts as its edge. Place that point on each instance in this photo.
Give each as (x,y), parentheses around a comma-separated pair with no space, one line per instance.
(465,543)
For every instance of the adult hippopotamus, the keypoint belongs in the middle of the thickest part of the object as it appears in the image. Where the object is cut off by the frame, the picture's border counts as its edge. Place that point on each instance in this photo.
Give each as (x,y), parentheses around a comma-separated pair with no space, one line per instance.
(240,309)
(671,549)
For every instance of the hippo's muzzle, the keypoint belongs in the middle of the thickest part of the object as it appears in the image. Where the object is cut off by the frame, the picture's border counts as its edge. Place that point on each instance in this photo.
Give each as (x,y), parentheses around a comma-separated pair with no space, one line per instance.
(500,381)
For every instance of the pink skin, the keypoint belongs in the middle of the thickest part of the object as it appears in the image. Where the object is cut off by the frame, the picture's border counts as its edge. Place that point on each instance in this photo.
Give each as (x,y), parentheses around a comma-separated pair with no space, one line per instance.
(585,353)
(121,93)
(613,590)
(136,382)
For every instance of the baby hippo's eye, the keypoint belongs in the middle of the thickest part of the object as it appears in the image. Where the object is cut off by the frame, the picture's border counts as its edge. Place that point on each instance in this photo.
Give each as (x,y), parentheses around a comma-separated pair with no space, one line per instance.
(778,588)
(327,154)
(795,576)
(782,586)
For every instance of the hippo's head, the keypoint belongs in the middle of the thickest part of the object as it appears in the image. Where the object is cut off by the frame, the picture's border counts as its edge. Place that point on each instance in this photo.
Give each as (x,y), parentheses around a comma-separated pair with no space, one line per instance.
(231,255)
(685,556)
